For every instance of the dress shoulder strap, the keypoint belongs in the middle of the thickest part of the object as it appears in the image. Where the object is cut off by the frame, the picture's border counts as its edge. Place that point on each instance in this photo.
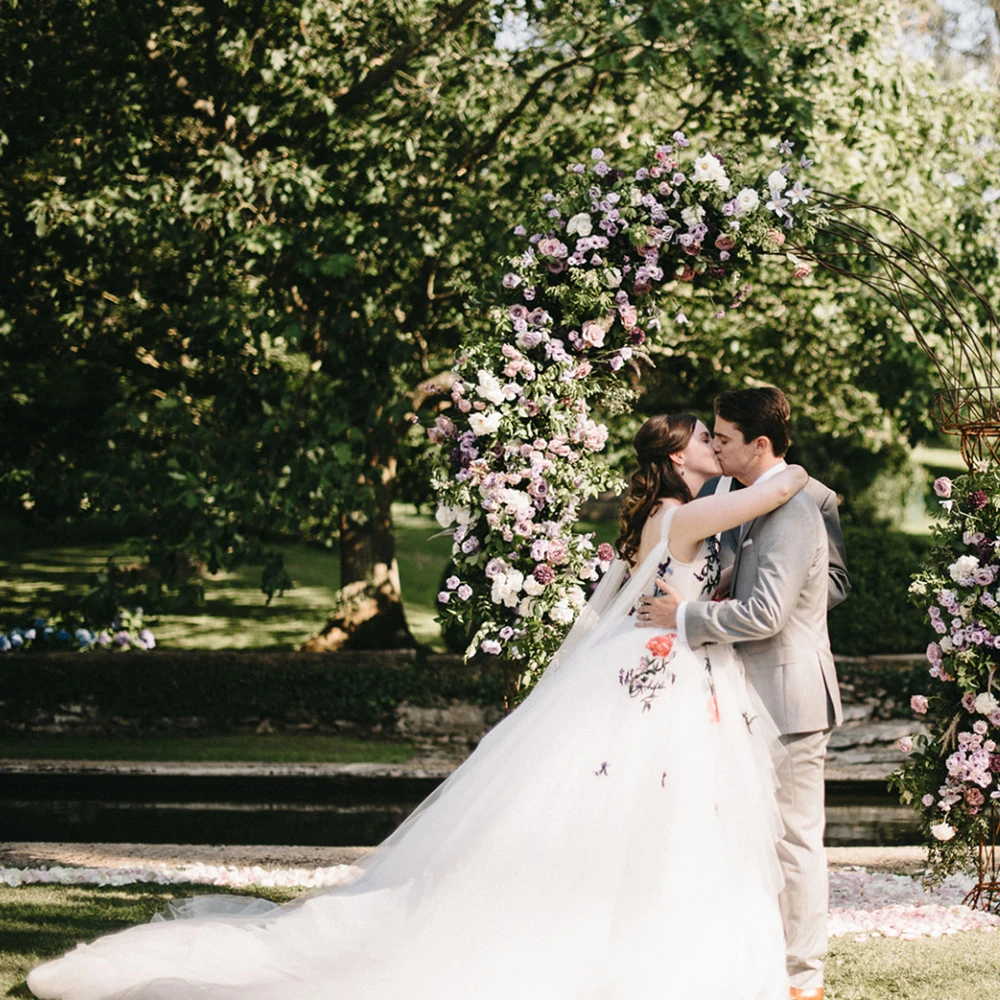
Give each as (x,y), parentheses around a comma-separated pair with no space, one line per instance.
(665,524)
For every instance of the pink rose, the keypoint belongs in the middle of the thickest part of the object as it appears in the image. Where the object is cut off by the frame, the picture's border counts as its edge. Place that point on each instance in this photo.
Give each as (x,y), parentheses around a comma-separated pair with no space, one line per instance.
(802,271)
(942,487)
(919,704)
(686,275)
(777,238)
(558,552)
(629,314)
(692,249)
(593,333)
(905,744)
(605,552)
(551,248)
(724,242)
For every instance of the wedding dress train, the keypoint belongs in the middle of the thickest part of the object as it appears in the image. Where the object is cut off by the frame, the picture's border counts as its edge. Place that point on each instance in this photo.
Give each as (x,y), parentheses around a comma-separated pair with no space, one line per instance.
(612,839)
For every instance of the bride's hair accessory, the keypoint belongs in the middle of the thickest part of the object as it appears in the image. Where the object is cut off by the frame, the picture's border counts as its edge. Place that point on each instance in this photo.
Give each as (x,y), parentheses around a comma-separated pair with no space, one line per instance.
(656,478)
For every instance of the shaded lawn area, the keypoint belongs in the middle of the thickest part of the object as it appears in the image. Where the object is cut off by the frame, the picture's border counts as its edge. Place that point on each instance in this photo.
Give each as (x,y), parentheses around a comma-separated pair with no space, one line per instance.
(35,575)
(274,748)
(37,922)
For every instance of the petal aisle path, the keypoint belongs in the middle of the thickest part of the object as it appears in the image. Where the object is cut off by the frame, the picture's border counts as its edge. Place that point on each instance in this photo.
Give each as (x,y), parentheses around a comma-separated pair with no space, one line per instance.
(873,891)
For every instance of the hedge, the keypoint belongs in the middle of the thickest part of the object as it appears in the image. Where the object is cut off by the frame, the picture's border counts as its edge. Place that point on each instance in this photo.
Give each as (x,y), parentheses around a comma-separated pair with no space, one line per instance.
(226,689)
(877,617)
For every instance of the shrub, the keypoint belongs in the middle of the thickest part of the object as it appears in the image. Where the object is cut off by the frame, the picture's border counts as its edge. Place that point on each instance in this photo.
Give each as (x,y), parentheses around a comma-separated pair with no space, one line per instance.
(877,617)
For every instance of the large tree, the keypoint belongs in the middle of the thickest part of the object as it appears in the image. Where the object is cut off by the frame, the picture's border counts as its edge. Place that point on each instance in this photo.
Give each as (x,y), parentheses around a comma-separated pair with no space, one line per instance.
(243,240)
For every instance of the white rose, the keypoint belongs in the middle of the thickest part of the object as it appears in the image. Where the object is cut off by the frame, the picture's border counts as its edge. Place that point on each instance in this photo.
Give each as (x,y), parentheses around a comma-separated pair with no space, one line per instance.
(463,515)
(986,703)
(963,567)
(946,644)
(723,183)
(489,388)
(516,500)
(445,516)
(708,168)
(612,277)
(942,831)
(576,597)
(580,224)
(747,200)
(532,587)
(484,423)
(693,215)
(777,181)
(561,613)
(526,607)
(918,587)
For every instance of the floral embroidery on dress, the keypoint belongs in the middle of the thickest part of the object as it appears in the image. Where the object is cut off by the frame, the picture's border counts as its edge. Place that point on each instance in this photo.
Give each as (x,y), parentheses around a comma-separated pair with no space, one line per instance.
(711,572)
(651,676)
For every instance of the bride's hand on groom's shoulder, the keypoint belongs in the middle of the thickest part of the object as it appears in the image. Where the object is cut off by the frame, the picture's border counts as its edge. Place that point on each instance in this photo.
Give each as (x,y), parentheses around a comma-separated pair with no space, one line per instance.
(659,611)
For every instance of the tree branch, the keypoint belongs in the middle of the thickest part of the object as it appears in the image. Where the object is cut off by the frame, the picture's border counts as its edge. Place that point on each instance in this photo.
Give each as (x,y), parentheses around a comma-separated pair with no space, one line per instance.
(378,77)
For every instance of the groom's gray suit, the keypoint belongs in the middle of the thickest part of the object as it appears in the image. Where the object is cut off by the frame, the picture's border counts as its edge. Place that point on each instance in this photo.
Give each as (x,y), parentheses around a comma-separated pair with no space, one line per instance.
(782,584)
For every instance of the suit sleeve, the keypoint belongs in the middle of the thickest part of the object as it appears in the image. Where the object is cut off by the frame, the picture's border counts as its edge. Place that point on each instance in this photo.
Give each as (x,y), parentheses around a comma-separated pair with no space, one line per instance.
(788,543)
(840,580)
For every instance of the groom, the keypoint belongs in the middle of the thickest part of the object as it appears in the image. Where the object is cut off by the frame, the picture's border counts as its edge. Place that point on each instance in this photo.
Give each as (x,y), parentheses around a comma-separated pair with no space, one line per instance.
(789,567)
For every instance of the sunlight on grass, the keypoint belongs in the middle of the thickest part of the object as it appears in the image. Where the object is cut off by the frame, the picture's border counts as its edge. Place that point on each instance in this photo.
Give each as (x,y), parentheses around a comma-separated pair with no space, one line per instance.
(34,578)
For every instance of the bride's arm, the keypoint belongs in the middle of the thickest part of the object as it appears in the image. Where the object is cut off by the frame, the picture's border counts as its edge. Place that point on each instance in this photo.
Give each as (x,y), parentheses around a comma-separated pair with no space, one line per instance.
(709,515)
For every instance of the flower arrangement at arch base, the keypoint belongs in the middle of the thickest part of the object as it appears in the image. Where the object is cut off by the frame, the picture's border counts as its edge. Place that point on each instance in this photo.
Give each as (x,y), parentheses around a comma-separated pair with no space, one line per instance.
(952,776)
(602,257)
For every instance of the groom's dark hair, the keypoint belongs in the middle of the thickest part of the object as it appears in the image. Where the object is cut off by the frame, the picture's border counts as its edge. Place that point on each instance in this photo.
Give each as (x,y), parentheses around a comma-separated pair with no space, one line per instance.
(762,412)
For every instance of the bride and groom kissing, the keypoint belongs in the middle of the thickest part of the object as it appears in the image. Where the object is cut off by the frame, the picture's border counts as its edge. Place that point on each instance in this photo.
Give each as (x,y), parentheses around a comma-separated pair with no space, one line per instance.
(592,847)
(784,570)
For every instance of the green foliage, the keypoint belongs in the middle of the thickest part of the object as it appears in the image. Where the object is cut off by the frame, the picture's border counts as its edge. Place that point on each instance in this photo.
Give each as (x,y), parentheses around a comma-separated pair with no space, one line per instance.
(236,234)
(876,617)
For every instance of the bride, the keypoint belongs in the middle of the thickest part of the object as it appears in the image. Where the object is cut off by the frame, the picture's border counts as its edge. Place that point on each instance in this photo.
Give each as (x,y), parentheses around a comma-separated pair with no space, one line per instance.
(612,839)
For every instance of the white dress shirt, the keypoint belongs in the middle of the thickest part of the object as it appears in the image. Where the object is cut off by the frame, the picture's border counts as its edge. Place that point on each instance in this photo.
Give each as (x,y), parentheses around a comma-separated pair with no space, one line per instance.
(779,466)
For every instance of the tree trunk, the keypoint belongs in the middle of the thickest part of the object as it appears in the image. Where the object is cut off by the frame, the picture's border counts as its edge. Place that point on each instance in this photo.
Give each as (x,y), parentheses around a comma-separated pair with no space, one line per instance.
(369,613)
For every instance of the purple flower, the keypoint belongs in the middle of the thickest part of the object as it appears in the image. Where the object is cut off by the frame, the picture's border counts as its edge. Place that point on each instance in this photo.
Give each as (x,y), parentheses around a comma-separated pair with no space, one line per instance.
(147,637)
(494,568)
(122,638)
(452,582)
(544,574)
(470,545)
(491,646)
(444,597)
(464,592)
(506,633)
(605,552)
(969,702)
(978,499)
(520,231)
(918,703)
(942,487)
(681,140)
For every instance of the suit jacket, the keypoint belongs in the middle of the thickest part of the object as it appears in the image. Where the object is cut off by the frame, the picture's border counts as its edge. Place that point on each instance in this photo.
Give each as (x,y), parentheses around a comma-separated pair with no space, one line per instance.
(826,500)
(777,616)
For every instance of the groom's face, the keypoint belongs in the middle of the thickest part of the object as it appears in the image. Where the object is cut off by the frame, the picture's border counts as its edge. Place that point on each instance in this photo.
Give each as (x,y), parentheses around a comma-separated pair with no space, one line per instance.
(736,456)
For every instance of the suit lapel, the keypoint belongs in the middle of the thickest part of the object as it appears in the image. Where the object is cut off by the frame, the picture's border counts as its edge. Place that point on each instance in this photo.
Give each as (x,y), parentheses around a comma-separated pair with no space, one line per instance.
(744,535)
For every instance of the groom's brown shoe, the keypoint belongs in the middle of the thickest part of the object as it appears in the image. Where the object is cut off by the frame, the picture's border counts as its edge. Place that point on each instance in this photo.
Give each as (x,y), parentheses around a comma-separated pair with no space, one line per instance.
(814,993)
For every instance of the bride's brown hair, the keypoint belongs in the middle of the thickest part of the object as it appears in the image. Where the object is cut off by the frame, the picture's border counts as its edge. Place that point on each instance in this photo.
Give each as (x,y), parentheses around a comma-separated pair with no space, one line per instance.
(656,478)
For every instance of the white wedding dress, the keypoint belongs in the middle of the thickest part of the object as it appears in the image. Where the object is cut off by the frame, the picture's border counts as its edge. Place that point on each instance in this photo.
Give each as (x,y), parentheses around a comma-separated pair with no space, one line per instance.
(590,849)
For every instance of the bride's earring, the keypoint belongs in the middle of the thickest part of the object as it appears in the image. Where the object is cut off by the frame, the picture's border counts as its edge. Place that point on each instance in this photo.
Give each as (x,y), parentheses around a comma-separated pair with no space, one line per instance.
(681,471)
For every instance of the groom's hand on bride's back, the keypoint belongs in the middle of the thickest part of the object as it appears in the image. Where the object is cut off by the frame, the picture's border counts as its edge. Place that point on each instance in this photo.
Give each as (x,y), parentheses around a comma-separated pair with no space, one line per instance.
(659,611)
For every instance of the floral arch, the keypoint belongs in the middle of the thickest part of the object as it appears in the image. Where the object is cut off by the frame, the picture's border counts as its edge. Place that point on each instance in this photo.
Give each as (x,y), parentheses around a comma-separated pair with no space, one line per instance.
(603,254)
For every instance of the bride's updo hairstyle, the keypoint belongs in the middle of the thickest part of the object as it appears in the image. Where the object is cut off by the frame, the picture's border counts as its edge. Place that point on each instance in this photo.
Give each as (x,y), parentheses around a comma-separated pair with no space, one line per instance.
(656,478)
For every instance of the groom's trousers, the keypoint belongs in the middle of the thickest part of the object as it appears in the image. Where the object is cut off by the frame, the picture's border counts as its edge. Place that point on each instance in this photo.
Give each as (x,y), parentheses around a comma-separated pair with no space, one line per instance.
(805,897)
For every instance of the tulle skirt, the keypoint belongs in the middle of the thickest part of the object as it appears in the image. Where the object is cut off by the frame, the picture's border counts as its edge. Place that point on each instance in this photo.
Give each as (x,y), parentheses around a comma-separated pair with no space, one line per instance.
(590,849)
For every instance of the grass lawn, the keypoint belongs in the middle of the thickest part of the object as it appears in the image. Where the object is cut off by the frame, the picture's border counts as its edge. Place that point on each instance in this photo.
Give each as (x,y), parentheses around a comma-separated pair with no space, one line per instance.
(274,748)
(34,574)
(40,921)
